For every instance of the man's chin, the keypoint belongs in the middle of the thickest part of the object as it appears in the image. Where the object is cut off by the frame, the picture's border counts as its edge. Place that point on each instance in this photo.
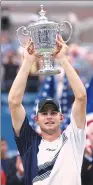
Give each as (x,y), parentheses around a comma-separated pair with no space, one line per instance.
(49,130)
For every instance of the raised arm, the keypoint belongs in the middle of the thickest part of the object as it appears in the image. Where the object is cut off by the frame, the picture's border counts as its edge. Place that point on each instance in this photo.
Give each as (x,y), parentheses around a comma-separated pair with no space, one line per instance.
(17,90)
(79,105)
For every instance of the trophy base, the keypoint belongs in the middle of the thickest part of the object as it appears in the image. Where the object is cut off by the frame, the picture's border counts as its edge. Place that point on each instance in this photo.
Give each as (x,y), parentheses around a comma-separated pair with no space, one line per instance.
(50,71)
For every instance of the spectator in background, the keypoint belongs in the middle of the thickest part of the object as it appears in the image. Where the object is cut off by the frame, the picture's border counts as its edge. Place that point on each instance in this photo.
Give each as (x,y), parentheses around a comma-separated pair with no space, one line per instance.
(90,132)
(87,167)
(6,43)
(11,67)
(33,82)
(11,172)
(3,177)
(20,170)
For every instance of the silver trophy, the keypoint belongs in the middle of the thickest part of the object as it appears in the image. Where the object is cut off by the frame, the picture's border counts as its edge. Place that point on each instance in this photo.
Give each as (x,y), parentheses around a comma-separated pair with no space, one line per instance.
(43,34)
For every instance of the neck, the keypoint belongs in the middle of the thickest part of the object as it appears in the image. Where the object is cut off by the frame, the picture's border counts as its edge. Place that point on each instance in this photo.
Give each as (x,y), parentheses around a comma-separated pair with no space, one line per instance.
(50,137)
(3,156)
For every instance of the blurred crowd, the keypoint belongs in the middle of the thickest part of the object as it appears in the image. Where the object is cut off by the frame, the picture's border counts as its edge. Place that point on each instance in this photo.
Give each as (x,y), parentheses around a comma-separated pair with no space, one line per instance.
(11,59)
(81,57)
(12,171)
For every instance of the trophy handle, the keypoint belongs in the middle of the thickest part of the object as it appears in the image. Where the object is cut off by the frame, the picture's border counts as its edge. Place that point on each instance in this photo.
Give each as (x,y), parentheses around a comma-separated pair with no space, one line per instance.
(24,31)
(63,26)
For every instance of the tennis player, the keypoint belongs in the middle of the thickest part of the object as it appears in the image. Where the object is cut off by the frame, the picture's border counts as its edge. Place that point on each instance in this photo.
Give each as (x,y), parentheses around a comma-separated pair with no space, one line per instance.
(52,158)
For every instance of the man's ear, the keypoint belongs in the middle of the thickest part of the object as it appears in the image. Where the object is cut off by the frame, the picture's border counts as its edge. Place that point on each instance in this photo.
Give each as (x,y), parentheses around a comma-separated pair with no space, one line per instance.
(61,117)
(36,119)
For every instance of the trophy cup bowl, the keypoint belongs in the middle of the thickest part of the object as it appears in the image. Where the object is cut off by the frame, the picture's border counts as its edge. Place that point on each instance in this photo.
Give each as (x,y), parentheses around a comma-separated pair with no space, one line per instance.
(43,34)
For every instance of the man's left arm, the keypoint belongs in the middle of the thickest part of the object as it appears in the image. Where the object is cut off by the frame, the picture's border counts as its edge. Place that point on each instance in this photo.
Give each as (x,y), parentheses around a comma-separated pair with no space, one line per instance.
(79,105)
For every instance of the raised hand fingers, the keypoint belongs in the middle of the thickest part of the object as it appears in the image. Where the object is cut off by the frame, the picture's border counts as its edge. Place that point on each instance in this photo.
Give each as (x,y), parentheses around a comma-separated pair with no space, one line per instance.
(55,52)
(38,55)
(59,38)
(28,42)
(58,44)
(30,46)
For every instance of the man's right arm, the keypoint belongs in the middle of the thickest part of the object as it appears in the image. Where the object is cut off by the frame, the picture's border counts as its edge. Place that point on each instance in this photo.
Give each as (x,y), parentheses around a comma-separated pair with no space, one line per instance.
(17,90)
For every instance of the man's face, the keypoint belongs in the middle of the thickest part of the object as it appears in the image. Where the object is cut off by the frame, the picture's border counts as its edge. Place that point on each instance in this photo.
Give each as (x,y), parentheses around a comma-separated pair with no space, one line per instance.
(4,147)
(49,119)
(90,134)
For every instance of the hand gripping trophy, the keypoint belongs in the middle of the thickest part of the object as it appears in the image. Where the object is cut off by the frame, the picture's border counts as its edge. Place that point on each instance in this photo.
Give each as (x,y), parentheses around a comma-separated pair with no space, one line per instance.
(43,34)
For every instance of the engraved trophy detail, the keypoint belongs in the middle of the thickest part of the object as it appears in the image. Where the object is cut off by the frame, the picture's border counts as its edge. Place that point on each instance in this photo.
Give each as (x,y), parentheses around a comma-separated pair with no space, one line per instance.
(43,34)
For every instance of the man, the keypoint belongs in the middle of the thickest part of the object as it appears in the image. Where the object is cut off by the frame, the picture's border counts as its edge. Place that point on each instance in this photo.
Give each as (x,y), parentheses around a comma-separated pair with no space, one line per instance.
(87,166)
(53,158)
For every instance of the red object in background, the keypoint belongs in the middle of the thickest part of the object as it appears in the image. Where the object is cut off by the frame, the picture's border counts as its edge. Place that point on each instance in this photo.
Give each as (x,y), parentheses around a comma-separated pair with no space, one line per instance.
(3,177)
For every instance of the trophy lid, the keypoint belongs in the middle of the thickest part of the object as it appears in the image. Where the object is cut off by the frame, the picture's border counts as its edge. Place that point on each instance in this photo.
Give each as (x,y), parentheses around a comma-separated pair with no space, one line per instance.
(42,19)
(42,13)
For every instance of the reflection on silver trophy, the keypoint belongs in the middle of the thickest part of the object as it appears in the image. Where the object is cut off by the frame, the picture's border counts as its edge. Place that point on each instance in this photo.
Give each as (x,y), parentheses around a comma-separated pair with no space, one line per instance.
(43,34)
